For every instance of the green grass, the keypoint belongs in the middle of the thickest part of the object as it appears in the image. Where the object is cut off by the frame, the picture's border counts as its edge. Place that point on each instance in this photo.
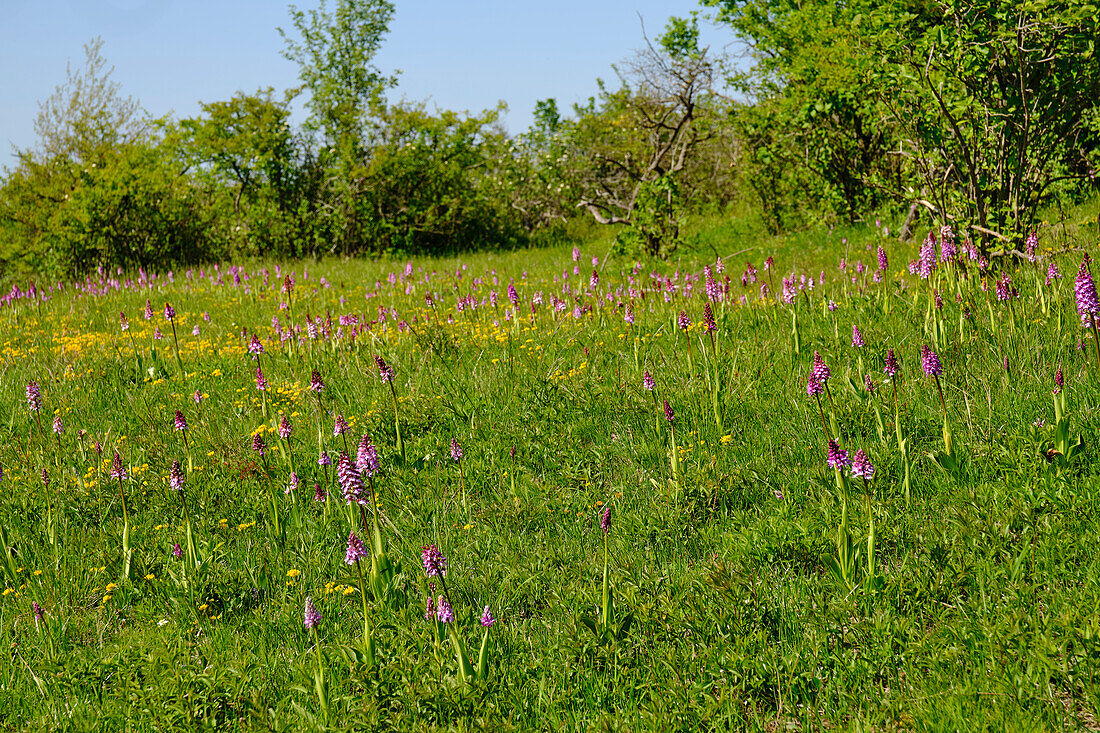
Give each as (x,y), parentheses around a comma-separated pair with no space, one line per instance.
(983,613)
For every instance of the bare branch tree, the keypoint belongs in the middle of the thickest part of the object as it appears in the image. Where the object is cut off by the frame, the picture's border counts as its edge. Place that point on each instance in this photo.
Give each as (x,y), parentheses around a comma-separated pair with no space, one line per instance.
(87,114)
(650,129)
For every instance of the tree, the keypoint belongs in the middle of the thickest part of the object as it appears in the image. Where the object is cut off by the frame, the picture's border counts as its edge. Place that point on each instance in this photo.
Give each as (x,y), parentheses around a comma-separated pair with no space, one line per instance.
(996,99)
(334,56)
(133,209)
(977,110)
(86,115)
(814,133)
(434,184)
(246,139)
(242,154)
(642,135)
(99,189)
(537,172)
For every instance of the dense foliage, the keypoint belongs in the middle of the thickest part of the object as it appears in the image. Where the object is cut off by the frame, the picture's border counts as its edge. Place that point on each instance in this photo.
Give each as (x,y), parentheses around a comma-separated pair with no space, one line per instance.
(973,114)
(978,112)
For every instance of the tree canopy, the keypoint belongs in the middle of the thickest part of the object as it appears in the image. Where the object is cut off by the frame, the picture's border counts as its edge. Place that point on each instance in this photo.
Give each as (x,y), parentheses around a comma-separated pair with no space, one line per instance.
(973,113)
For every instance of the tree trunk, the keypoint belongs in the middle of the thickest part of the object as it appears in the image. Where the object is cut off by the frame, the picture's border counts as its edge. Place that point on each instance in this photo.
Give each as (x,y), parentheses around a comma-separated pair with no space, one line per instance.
(910,224)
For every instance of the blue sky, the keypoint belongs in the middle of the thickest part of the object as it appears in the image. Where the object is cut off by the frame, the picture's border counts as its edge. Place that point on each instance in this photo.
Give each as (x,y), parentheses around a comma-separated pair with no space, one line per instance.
(171,54)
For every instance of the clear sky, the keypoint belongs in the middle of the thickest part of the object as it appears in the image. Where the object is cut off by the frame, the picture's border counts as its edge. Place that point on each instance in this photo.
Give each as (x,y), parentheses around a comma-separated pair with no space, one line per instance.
(455,54)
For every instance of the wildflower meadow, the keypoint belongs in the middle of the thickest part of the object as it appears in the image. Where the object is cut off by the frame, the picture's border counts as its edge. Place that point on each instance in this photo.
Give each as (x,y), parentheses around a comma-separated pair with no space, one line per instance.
(851,487)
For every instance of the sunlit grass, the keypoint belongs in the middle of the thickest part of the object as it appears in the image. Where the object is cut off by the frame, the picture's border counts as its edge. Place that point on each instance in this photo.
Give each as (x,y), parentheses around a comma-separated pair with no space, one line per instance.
(980,612)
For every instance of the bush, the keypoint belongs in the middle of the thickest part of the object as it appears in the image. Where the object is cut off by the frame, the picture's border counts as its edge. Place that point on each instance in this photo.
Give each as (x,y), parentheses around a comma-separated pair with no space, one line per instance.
(134,210)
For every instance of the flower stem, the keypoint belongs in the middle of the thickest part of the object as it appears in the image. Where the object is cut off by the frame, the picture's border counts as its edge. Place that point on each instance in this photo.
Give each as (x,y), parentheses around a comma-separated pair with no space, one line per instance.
(1095,337)
(176,342)
(368,638)
(821,411)
(943,404)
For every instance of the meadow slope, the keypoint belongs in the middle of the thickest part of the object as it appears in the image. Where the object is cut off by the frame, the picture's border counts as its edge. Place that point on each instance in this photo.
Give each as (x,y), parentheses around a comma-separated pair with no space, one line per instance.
(626,467)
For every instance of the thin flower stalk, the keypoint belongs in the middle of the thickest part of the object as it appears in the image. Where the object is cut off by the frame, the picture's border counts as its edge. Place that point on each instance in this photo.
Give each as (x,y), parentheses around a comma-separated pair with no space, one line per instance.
(435,566)
(844,563)
(814,388)
(457,456)
(1088,305)
(862,468)
(180,424)
(124,324)
(317,386)
(312,620)
(58,431)
(684,324)
(118,472)
(606,608)
(930,362)
(674,453)
(354,556)
(286,444)
(170,316)
(386,374)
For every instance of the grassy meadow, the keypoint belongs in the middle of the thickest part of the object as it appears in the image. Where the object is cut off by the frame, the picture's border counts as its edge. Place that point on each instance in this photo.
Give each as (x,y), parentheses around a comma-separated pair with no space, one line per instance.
(709,564)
